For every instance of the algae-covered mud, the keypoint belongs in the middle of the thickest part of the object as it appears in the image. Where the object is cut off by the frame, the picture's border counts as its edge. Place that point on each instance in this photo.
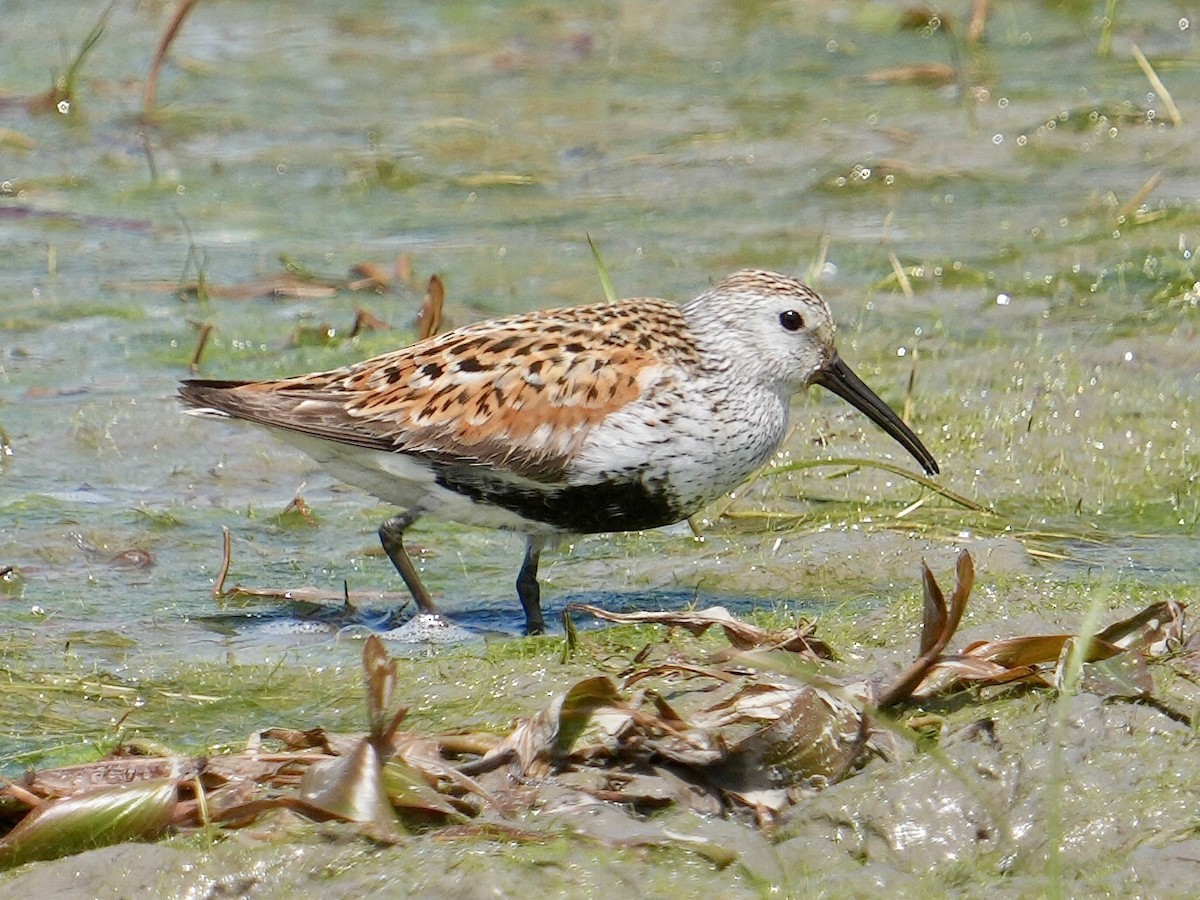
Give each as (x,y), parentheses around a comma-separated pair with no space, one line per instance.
(1001,205)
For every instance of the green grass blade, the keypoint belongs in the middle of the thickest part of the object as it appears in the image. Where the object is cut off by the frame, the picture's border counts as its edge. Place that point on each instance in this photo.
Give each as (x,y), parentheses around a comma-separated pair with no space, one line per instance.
(605,281)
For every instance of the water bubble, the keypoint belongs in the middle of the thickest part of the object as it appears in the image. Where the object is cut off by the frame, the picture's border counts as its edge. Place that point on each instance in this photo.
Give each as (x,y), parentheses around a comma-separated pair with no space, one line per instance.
(902,351)
(1002,102)
(1022,140)
(889,179)
(1184,24)
(1128,356)
(1003,300)
(64,107)
(997,139)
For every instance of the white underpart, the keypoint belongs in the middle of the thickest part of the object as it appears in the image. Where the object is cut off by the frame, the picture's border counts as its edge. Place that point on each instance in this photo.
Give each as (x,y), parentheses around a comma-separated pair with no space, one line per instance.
(406,481)
(207,412)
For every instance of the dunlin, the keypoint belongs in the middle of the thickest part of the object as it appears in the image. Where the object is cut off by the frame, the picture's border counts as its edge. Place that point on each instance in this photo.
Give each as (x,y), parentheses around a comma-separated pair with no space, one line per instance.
(617,416)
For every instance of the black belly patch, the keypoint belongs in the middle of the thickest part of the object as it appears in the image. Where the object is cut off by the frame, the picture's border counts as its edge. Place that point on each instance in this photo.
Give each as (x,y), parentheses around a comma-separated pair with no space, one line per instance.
(578,509)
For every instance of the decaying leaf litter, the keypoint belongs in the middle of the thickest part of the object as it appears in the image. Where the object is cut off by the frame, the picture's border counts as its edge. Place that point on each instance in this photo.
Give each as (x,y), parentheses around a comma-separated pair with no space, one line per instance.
(752,731)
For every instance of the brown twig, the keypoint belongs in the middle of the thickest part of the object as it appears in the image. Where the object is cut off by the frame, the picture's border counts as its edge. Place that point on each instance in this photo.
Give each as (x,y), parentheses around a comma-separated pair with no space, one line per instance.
(364,320)
(979,14)
(150,92)
(205,330)
(226,556)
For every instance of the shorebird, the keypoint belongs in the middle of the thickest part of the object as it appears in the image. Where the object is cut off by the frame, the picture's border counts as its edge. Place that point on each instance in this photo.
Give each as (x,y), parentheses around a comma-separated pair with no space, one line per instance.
(616,416)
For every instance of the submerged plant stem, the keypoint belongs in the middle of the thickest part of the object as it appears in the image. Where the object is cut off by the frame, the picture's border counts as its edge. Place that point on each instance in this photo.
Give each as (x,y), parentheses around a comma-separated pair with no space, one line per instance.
(887,467)
(1159,87)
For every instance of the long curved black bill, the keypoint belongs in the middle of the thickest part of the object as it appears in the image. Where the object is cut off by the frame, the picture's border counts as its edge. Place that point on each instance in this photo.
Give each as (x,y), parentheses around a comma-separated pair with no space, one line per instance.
(840,378)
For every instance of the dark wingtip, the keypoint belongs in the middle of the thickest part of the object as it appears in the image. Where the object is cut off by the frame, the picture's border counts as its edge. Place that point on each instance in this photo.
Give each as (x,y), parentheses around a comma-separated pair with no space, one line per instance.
(203,393)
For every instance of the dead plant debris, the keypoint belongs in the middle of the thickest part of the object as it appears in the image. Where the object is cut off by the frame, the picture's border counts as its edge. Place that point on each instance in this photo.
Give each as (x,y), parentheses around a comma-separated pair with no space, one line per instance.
(749,733)
(296,513)
(298,282)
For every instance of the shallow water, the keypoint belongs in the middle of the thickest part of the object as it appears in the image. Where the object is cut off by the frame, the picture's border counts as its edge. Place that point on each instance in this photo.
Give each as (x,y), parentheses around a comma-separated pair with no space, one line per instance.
(1053,311)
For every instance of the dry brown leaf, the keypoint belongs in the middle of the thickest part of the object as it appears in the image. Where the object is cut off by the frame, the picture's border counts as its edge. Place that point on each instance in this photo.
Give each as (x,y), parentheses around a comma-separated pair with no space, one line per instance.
(351,787)
(369,276)
(429,317)
(68,780)
(945,622)
(741,635)
(810,732)
(955,672)
(1156,630)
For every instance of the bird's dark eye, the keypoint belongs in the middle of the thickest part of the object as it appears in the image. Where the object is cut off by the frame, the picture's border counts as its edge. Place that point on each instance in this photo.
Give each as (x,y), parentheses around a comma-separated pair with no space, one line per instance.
(791,320)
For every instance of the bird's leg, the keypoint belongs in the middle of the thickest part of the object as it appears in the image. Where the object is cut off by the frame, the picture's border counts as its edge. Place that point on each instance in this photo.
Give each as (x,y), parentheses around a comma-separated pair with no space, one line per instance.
(528,588)
(391,535)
